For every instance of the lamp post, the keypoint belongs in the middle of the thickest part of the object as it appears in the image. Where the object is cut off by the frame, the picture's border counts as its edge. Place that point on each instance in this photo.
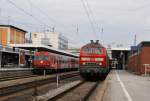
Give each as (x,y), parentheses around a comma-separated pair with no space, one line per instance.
(122,55)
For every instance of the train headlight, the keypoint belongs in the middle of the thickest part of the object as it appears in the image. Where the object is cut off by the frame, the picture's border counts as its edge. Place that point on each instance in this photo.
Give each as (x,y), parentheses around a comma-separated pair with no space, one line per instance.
(85,59)
(100,63)
(41,61)
(83,63)
(99,59)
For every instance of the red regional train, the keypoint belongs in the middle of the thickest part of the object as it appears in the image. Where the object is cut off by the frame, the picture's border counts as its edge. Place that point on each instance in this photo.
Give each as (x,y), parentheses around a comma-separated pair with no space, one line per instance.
(94,61)
(54,62)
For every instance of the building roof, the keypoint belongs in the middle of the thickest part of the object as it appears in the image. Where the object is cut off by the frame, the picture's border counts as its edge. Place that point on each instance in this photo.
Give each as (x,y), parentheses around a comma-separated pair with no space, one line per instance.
(43,48)
(11,26)
(144,43)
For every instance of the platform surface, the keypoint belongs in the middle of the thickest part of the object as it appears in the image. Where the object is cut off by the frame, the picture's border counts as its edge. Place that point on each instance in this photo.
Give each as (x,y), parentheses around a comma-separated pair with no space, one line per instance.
(124,86)
(14,69)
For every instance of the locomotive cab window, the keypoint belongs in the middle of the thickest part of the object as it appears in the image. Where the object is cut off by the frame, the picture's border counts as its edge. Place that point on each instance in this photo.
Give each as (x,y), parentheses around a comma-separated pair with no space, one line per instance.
(41,57)
(93,50)
(38,58)
(45,58)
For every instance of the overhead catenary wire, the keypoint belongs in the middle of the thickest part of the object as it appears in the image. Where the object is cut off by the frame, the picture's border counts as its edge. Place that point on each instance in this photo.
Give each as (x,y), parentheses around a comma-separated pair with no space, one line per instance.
(89,18)
(41,11)
(27,13)
(90,10)
(30,14)
(100,30)
(47,16)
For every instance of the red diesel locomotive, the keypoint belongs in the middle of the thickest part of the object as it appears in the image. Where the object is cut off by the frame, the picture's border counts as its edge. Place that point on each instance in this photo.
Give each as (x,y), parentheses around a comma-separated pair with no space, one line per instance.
(94,61)
(52,62)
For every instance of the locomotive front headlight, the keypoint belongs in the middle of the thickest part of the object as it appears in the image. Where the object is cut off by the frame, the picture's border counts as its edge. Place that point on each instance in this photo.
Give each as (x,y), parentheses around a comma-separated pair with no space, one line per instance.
(85,59)
(41,61)
(99,59)
(100,63)
(83,63)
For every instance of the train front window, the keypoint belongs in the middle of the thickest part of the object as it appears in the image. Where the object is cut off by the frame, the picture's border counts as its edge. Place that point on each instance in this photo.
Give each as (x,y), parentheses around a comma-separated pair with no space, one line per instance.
(41,57)
(38,58)
(92,50)
(45,57)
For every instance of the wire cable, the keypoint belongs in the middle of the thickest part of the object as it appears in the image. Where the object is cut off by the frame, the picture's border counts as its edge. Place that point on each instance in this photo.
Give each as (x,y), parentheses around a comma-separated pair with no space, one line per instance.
(27,13)
(89,18)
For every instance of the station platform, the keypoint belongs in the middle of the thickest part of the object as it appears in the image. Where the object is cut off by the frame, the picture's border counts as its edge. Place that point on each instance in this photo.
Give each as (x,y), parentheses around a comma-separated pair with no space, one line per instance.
(14,69)
(14,72)
(124,86)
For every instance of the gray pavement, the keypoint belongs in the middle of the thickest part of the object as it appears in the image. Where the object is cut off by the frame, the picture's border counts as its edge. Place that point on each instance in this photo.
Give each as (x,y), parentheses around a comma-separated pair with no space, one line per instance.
(124,86)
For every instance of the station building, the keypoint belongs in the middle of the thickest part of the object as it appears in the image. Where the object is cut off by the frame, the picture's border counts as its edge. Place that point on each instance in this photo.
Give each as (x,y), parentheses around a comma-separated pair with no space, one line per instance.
(11,35)
(10,56)
(139,58)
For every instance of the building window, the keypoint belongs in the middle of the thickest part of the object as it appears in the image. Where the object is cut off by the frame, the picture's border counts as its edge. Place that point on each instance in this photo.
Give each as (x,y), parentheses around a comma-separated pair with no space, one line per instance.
(0,38)
(35,35)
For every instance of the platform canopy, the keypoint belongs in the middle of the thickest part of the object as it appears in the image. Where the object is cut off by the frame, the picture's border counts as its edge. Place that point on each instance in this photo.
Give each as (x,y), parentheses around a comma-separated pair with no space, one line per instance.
(35,47)
(120,48)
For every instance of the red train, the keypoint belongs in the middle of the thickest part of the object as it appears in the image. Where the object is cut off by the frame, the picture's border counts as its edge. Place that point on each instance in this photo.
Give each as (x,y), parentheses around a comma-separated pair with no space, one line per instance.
(94,61)
(52,62)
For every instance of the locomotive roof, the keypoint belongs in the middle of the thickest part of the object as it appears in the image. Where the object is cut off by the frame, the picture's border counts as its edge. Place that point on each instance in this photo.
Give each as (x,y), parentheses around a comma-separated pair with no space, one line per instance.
(93,45)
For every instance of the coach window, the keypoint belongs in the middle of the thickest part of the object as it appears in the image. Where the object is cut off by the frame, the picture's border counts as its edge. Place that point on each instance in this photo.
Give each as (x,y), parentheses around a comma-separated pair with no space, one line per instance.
(66,61)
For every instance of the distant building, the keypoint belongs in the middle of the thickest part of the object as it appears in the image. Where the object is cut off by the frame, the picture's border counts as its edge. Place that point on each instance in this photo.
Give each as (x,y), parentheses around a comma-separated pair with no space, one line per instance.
(73,50)
(54,39)
(11,35)
(40,39)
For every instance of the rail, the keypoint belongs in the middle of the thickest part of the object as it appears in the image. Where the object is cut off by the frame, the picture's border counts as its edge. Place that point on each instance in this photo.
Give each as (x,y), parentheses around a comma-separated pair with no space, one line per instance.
(11,89)
(76,91)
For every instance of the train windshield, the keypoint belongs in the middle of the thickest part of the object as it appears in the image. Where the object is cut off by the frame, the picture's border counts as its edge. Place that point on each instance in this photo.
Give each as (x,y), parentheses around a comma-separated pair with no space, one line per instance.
(41,58)
(92,50)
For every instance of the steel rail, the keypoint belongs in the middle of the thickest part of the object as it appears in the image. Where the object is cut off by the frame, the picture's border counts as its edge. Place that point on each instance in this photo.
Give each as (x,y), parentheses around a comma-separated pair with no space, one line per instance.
(17,77)
(86,96)
(5,91)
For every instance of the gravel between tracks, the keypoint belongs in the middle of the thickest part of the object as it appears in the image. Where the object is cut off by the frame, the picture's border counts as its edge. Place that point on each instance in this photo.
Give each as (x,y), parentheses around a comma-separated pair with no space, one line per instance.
(79,93)
(29,94)
(53,93)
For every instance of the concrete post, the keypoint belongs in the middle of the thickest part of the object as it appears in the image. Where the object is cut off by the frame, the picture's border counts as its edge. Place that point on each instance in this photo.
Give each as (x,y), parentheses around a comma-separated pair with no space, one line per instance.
(57,80)
(123,61)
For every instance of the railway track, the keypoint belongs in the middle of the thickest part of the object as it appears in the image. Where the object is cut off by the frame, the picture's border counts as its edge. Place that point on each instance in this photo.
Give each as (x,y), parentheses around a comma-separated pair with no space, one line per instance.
(80,92)
(6,91)
(16,77)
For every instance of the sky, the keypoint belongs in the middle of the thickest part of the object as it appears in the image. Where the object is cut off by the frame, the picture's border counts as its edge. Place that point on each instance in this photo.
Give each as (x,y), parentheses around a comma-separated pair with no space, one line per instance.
(113,22)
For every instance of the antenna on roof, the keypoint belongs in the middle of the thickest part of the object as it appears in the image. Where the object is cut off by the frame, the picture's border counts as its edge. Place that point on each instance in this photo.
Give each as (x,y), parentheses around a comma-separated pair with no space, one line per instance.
(92,41)
(135,40)
(97,41)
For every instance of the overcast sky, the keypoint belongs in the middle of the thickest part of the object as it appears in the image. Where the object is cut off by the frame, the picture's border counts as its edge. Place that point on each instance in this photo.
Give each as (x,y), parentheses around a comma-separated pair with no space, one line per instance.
(119,19)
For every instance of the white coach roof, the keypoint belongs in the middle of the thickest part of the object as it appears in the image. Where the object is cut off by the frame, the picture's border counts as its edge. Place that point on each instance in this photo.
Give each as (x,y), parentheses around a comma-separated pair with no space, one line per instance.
(41,47)
(120,48)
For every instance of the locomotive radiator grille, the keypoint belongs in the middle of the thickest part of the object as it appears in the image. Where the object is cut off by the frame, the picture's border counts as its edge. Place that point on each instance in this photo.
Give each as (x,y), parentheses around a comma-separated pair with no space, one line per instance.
(91,64)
